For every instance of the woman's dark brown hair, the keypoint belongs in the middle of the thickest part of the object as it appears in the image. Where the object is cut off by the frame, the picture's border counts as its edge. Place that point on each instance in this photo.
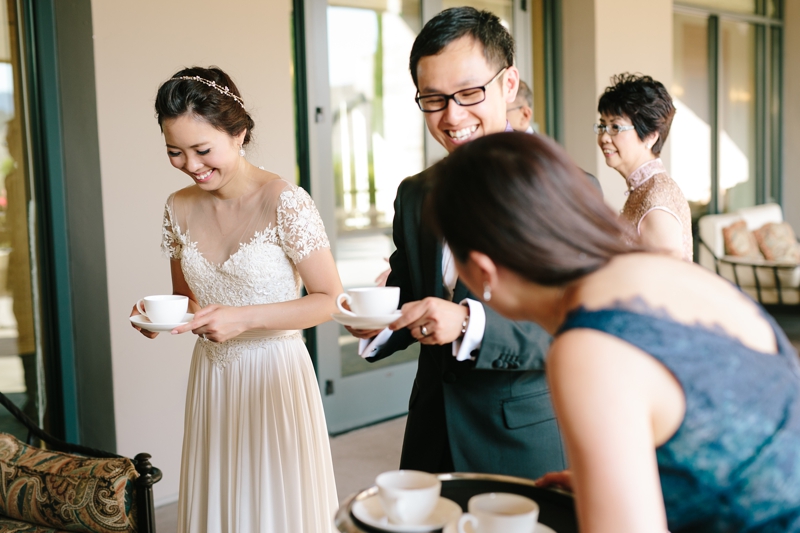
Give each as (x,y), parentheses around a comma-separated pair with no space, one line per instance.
(519,199)
(177,97)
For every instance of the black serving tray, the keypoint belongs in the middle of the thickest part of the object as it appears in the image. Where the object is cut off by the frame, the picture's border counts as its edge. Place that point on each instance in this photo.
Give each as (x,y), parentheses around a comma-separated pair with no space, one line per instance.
(557,508)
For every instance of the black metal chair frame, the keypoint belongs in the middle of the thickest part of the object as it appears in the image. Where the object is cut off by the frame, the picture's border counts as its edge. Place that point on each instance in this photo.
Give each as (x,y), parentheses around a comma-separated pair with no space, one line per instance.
(148,474)
(755,266)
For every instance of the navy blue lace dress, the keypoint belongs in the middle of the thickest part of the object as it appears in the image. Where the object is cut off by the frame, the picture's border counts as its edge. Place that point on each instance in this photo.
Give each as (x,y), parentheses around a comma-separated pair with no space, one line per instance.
(734,463)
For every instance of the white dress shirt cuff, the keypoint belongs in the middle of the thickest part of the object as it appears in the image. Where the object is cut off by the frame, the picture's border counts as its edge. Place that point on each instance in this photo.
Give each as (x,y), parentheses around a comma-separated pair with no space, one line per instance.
(369,347)
(473,337)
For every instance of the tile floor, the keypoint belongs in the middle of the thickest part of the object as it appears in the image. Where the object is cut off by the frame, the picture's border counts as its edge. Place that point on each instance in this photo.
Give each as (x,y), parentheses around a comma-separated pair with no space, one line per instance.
(358,456)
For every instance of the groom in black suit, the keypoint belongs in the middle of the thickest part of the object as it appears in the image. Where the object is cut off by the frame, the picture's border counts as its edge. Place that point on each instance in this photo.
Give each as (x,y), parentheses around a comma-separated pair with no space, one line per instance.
(480,401)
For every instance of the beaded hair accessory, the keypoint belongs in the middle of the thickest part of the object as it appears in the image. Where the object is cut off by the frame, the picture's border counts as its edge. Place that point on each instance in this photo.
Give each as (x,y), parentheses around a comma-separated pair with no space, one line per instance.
(220,88)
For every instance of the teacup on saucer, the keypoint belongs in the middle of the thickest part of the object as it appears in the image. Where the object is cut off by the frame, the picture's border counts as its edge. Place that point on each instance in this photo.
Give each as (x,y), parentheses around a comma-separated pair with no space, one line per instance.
(163,308)
(145,323)
(370,512)
(369,301)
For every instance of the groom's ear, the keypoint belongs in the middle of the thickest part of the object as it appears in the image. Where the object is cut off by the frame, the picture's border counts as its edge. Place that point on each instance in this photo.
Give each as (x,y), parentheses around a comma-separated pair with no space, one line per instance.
(511,84)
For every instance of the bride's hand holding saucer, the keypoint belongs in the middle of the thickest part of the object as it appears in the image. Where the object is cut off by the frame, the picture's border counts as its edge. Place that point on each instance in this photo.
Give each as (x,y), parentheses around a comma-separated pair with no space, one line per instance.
(148,334)
(217,323)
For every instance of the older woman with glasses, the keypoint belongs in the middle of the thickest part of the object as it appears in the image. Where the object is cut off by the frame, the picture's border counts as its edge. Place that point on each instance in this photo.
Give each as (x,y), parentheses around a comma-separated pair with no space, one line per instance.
(635,116)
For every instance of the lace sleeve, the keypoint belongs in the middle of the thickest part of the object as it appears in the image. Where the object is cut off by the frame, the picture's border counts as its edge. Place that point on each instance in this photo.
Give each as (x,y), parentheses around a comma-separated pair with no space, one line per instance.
(170,240)
(300,227)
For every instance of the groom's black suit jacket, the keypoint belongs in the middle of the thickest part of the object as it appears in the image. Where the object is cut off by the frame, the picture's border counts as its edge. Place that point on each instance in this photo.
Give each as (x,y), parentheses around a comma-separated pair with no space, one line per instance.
(494,414)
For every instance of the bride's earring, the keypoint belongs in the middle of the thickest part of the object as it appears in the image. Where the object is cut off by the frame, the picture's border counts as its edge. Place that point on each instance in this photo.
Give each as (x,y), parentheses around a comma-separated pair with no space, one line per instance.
(487,292)
(242,153)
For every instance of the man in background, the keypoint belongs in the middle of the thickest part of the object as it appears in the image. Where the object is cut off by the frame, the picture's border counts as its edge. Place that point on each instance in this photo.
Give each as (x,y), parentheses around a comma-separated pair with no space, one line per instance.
(520,112)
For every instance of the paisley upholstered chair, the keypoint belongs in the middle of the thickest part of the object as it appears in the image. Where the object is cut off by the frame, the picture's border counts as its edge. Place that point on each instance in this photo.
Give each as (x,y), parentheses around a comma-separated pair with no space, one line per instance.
(74,488)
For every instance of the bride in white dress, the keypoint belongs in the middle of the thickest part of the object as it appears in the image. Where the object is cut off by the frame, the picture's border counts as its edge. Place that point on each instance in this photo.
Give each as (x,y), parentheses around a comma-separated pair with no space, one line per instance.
(242,241)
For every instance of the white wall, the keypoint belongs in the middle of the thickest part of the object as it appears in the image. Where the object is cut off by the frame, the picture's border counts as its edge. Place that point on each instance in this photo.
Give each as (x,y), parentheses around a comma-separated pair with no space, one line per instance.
(603,38)
(137,46)
(791,114)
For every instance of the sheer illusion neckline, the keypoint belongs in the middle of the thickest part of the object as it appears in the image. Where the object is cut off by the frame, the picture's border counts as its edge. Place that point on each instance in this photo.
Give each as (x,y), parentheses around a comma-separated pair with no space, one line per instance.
(222,230)
(639,307)
(254,190)
(259,236)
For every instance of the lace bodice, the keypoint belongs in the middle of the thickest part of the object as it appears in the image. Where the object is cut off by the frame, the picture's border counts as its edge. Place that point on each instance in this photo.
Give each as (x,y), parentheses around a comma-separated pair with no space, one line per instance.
(263,269)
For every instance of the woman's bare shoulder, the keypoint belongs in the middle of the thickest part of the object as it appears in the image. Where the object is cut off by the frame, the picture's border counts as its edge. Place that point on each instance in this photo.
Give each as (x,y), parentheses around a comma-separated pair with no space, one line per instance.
(685,292)
(188,193)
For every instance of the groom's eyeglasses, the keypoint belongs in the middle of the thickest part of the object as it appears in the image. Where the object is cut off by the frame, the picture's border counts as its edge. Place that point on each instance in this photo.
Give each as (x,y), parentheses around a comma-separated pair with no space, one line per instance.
(432,103)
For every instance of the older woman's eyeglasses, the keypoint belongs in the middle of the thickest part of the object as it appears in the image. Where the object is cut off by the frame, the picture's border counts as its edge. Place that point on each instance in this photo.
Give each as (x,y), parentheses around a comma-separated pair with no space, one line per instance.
(432,103)
(611,129)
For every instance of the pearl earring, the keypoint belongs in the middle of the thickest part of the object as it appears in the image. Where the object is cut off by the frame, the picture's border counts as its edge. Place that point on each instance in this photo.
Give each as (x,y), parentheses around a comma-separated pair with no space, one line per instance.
(487,292)
(242,153)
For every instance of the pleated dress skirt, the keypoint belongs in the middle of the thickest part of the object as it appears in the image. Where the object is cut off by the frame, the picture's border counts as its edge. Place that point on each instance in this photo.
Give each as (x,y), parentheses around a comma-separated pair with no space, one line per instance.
(256,454)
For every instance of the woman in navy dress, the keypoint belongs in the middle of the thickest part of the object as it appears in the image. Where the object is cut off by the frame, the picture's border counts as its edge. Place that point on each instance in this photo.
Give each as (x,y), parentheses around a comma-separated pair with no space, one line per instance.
(677,395)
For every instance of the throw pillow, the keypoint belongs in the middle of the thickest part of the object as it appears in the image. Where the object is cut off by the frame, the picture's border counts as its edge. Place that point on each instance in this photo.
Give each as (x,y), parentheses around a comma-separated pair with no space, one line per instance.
(777,242)
(739,241)
(66,492)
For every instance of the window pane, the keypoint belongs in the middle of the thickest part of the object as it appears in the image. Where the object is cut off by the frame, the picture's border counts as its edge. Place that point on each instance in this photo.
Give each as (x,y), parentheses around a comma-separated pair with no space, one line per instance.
(377,129)
(773,9)
(377,140)
(19,368)
(738,6)
(737,141)
(691,131)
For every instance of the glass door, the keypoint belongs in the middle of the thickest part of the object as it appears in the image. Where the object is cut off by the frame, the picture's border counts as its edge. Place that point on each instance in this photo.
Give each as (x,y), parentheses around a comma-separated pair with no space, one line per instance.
(737,180)
(366,135)
(21,374)
(691,128)
(726,140)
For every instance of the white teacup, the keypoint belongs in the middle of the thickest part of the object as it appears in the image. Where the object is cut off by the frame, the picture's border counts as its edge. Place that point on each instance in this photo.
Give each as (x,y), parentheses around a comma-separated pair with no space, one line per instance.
(500,512)
(163,308)
(408,496)
(370,301)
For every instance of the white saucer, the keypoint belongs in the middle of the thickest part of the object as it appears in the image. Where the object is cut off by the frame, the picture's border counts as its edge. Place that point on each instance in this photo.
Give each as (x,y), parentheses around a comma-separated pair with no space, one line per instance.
(452,527)
(366,322)
(370,511)
(144,323)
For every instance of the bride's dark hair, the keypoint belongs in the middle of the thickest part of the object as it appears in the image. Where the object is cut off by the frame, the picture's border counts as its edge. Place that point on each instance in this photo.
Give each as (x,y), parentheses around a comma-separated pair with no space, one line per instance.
(177,97)
(519,199)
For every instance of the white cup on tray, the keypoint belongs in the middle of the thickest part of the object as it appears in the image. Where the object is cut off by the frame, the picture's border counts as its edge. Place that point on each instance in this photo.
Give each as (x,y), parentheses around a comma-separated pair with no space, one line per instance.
(408,496)
(500,512)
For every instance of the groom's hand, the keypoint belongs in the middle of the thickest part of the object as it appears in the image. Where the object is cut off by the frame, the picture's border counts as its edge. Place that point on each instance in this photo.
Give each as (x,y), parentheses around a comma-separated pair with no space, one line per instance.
(432,320)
